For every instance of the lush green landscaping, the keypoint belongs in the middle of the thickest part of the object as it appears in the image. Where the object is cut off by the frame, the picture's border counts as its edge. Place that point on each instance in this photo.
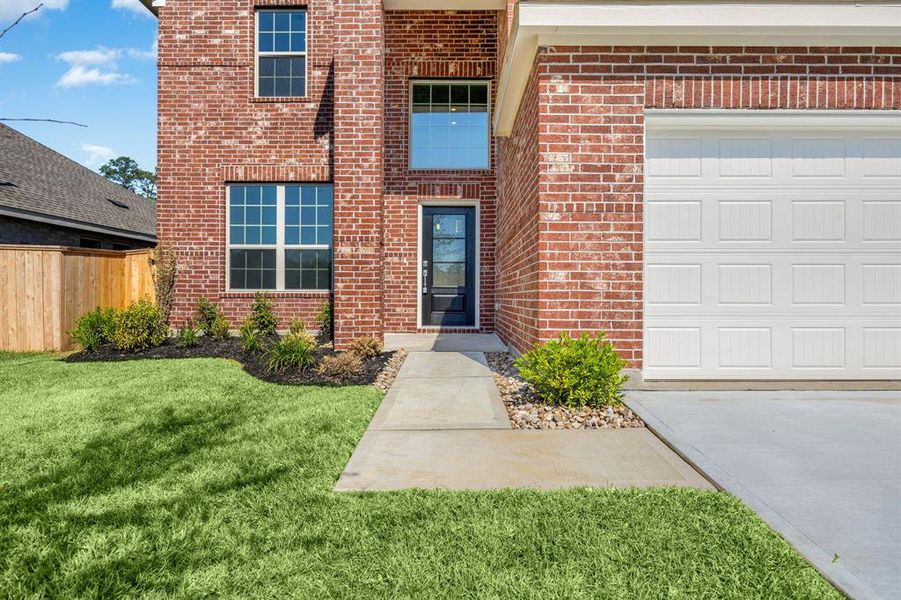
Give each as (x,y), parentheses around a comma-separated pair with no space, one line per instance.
(190,478)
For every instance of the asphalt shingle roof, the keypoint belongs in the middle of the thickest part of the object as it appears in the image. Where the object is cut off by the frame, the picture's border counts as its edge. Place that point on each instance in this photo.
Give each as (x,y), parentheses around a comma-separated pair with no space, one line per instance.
(38,180)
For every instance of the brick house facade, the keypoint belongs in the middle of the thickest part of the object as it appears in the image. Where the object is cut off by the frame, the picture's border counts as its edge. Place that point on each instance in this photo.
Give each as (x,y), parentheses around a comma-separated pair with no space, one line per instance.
(561,207)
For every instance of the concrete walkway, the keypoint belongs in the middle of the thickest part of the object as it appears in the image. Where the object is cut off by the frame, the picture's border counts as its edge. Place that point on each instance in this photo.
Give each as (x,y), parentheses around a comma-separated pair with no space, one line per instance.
(822,468)
(443,425)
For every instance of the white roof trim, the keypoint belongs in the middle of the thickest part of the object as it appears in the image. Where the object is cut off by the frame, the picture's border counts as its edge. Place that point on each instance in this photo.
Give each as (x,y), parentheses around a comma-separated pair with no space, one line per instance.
(445,5)
(697,23)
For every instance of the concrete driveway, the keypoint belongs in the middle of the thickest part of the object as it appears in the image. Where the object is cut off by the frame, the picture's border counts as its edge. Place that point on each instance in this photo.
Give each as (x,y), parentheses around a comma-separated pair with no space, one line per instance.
(822,468)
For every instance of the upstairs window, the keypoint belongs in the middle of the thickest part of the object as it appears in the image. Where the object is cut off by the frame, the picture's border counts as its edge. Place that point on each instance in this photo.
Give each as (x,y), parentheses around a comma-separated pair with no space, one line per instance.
(449,125)
(281,53)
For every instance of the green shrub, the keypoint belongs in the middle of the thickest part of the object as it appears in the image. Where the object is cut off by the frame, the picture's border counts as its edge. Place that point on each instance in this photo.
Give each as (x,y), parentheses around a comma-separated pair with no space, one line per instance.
(95,328)
(141,325)
(366,347)
(340,367)
(575,371)
(207,312)
(292,351)
(297,327)
(251,340)
(187,337)
(219,330)
(261,314)
(325,321)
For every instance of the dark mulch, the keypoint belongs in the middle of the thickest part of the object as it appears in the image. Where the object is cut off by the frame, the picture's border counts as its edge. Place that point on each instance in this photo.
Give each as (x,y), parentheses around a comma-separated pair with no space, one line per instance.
(255,364)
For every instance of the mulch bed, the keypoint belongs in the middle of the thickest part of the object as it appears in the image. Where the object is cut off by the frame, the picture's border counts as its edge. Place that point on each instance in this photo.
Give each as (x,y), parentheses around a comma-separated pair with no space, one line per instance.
(379,371)
(527,410)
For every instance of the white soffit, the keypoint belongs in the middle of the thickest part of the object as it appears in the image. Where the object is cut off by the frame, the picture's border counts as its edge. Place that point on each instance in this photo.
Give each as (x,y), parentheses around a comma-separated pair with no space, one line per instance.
(446,5)
(549,23)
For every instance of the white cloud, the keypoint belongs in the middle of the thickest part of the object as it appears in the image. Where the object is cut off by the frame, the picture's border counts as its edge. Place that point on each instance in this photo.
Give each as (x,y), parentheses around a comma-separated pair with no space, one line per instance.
(133,6)
(101,55)
(144,54)
(97,155)
(10,10)
(97,66)
(9,57)
(81,75)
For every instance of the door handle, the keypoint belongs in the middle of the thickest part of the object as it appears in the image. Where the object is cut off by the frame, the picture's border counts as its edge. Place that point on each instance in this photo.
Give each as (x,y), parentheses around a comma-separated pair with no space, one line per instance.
(425,277)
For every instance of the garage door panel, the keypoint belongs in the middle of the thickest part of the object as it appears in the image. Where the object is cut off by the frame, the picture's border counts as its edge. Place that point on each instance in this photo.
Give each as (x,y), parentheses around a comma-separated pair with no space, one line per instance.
(773,255)
(727,347)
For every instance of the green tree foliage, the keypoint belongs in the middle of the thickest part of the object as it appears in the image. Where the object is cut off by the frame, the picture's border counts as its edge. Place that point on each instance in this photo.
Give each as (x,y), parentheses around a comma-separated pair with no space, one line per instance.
(125,171)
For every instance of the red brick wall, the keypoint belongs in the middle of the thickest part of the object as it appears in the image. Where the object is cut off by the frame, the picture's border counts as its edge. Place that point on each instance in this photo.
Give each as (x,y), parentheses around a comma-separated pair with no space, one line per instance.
(591,103)
(424,45)
(212,131)
(359,130)
(517,225)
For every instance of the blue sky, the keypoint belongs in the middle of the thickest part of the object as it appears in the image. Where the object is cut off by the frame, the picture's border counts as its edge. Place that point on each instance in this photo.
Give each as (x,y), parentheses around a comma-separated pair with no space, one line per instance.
(90,61)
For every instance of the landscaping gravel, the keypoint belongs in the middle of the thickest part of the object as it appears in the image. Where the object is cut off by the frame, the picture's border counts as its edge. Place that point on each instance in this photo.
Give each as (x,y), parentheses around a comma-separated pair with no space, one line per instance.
(385,378)
(527,410)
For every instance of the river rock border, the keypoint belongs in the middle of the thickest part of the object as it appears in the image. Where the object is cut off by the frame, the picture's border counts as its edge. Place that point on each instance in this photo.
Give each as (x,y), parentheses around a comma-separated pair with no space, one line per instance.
(527,411)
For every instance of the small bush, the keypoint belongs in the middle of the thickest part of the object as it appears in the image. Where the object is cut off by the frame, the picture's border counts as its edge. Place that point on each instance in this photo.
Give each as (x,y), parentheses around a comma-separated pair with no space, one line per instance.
(340,367)
(219,329)
(163,271)
(325,322)
(251,340)
(261,314)
(187,337)
(297,327)
(291,351)
(95,328)
(575,371)
(366,347)
(207,312)
(141,325)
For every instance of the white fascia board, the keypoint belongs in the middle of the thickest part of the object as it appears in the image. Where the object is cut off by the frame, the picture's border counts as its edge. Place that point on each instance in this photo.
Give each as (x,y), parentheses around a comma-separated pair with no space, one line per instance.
(446,5)
(782,120)
(541,24)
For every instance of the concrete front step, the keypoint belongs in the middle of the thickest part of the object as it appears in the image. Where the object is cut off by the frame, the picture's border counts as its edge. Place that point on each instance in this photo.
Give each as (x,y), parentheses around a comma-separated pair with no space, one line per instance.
(444,342)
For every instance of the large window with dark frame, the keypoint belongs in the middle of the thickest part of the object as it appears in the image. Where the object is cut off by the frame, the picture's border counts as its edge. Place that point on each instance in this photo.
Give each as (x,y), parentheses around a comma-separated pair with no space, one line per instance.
(281,53)
(280,237)
(449,125)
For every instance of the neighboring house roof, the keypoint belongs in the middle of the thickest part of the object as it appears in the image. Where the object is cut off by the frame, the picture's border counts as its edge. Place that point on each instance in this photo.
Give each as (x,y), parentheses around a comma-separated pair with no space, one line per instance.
(39,184)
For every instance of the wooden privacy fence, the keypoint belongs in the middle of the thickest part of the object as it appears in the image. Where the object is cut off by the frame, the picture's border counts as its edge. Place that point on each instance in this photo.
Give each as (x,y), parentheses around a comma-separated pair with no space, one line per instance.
(44,289)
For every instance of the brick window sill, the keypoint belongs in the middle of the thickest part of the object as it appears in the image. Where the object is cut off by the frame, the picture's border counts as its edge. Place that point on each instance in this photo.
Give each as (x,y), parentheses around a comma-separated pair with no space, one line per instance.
(281,100)
(280,294)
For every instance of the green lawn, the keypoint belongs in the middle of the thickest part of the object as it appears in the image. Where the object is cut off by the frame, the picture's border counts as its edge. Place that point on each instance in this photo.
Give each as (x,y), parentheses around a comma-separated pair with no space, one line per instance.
(189,478)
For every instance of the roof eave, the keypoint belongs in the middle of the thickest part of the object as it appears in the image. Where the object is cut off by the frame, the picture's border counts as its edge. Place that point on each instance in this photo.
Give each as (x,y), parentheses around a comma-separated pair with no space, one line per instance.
(73,224)
(153,5)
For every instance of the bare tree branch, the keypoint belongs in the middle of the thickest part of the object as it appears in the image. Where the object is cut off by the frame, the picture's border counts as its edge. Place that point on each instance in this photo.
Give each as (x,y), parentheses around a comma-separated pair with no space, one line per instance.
(24,14)
(45,121)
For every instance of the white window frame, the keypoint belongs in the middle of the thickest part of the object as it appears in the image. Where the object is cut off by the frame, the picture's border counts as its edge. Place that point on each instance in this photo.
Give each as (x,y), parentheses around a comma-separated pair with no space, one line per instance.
(279,245)
(257,54)
(486,83)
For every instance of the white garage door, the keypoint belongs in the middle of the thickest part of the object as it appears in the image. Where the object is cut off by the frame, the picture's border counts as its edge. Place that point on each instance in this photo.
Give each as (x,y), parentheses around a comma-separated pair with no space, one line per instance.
(772,246)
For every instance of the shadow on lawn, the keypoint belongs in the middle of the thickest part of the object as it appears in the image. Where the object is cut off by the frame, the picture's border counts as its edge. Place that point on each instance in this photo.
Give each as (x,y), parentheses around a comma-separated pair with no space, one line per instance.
(159,446)
(163,445)
(167,444)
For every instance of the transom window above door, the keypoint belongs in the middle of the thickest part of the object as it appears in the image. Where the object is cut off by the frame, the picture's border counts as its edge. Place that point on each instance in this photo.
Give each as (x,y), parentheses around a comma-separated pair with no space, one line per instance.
(281,53)
(279,237)
(449,125)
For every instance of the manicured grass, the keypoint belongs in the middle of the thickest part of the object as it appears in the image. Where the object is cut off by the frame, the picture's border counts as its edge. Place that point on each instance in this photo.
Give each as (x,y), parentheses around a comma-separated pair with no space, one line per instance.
(189,478)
